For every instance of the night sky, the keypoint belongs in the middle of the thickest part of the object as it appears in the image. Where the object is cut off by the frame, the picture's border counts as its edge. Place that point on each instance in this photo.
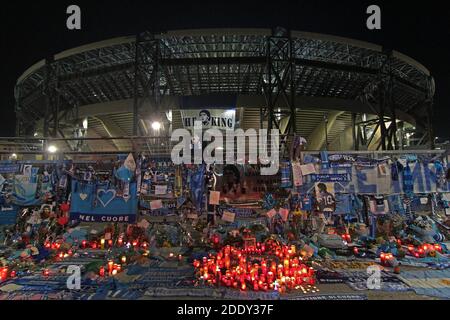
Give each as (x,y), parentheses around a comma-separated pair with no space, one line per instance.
(35,30)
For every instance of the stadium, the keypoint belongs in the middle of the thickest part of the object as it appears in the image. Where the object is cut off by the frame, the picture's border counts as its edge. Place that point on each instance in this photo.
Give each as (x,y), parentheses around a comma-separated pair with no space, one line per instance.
(353,202)
(337,93)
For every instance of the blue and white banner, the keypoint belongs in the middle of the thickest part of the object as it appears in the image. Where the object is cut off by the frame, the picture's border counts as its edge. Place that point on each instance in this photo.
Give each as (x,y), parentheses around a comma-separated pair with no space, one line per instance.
(102,203)
(9,168)
(333,177)
(371,181)
(24,191)
(239,212)
(8,214)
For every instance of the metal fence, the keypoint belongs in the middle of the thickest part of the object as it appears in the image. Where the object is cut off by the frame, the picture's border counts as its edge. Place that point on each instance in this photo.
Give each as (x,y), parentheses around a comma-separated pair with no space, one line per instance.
(23,148)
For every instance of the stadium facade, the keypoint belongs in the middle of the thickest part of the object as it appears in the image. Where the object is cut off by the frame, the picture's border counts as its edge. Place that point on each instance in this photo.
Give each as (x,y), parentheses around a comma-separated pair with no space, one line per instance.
(338,93)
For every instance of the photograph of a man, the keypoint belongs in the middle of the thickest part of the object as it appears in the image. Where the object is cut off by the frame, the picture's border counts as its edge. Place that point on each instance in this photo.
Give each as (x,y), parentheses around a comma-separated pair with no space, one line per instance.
(325,199)
(205,117)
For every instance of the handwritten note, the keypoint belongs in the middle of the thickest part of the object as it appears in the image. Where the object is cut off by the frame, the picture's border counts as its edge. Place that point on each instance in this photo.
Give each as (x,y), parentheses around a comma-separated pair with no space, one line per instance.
(228,216)
(160,189)
(214,197)
(156,204)
(308,169)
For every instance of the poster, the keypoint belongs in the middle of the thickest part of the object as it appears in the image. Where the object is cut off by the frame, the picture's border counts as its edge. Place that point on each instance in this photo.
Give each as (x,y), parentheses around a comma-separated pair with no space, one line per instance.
(210,118)
(325,196)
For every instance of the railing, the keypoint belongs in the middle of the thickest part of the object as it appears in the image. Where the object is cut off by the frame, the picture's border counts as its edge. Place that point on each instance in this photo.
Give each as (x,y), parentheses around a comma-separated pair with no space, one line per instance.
(35,148)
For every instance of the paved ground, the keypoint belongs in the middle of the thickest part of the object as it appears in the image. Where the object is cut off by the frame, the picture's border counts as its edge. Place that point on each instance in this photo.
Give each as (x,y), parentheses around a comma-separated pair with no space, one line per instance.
(342,288)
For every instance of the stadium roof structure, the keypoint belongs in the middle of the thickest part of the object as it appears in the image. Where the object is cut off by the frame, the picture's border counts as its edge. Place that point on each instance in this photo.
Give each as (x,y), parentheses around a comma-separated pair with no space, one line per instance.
(274,75)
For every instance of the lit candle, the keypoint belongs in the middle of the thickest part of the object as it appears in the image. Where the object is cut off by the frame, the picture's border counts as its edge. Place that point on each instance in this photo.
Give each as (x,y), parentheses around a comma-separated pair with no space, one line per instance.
(102,243)
(110,266)
(286,264)
(123,259)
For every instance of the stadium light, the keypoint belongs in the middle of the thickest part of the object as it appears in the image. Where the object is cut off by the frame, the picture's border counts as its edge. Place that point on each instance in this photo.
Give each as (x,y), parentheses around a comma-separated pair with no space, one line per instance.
(52,149)
(156,125)
(14,156)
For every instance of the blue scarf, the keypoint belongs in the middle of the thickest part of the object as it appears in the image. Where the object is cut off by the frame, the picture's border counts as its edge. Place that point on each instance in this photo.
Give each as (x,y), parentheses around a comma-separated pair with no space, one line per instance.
(408,183)
(198,187)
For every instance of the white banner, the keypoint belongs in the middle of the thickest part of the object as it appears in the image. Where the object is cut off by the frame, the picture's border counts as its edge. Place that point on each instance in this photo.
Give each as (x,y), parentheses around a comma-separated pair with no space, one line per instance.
(210,118)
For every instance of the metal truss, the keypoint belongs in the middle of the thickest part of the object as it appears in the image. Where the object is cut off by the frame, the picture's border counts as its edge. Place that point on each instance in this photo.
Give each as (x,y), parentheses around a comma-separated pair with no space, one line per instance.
(382,95)
(279,65)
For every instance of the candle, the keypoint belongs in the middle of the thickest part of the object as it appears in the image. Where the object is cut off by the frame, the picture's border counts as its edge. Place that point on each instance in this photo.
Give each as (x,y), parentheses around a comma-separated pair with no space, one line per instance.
(123,259)
(293,249)
(120,241)
(102,243)
(102,271)
(286,264)
(110,266)
(286,272)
